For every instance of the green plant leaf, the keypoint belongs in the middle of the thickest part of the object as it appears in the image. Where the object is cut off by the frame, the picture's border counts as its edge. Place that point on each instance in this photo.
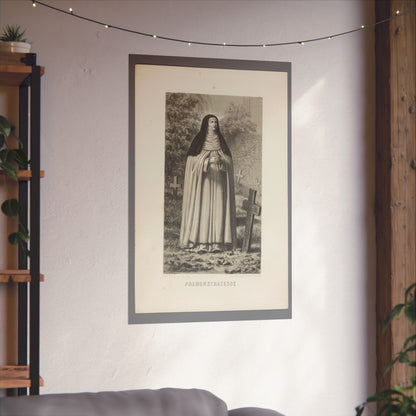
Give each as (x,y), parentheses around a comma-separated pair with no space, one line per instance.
(4,154)
(359,410)
(14,155)
(14,239)
(390,366)
(408,290)
(407,406)
(20,158)
(9,170)
(410,349)
(12,33)
(385,395)
(402,389)
(5,126)
(18,238)
(24,232)
(23,237)
(408,340)
(403,357)
(11,207)
(25,250)
(2,140)
(10,155)
(410,311)
(392,314)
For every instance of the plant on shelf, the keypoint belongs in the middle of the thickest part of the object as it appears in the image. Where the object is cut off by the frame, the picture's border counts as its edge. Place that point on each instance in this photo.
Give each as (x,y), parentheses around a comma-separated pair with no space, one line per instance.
(12,158)
(398,400)
(12,40)
(12,33)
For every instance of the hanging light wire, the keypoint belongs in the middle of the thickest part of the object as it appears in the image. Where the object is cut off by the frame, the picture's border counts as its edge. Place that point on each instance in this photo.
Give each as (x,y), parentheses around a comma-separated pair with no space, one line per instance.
(71,13)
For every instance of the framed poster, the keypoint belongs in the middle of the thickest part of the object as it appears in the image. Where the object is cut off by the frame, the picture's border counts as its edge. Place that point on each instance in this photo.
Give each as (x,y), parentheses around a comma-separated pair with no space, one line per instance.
(209,189)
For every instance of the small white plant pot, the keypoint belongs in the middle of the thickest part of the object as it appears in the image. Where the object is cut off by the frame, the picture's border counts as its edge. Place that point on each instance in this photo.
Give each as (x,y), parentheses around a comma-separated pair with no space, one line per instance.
(20,47)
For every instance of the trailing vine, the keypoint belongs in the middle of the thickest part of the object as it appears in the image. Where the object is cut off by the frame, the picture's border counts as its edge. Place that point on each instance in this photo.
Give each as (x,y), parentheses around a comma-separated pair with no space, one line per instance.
(12,158)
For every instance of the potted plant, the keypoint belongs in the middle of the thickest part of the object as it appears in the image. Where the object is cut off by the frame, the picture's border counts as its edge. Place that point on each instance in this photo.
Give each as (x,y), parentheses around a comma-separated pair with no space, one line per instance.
(398,400)
(12,40)
(11,159)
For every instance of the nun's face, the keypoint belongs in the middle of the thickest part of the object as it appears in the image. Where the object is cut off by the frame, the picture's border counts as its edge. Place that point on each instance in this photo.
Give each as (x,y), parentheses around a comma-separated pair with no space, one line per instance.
(212,125)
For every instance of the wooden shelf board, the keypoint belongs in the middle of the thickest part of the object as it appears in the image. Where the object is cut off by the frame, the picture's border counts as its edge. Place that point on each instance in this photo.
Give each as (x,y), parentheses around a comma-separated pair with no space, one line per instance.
(14,79)
(12,58)
(12,71)
(15,376)
(17,276)
(25,175)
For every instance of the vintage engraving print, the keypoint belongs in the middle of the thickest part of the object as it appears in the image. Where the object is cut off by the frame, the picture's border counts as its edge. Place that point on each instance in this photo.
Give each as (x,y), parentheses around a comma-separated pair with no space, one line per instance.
(213,159)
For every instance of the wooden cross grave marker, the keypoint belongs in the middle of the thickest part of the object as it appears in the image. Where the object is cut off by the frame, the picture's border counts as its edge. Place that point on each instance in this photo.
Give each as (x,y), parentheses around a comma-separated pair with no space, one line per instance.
(252,209)
(239,176)
(175,185)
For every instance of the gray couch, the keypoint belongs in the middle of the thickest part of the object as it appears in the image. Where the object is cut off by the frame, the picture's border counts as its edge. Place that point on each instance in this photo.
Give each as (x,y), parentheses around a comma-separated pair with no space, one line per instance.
(163,402)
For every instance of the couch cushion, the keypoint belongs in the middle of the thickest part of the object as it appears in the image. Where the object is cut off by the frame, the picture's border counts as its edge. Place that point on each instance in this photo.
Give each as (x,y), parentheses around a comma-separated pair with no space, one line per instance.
(163,402)
(253,411)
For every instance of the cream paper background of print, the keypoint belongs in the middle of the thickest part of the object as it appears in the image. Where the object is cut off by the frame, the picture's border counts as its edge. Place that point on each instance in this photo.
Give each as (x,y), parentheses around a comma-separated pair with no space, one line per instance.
(158,292)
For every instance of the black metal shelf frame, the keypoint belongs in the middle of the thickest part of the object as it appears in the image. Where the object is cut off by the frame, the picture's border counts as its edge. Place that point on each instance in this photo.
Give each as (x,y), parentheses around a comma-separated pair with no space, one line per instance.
(29,115)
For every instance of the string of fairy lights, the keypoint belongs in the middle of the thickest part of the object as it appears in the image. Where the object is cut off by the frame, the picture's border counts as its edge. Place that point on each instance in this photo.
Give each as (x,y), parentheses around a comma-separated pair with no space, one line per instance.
(190,42)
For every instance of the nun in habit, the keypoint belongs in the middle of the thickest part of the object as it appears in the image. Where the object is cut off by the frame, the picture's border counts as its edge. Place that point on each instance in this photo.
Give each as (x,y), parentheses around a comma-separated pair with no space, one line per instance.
(208,206)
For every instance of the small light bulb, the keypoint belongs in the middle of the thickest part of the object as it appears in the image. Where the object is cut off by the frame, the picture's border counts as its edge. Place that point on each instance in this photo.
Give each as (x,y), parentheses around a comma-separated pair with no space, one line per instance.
(264,46)
(34,4)
(154,36)
(189,43)
(329,37)
(362,27)
(301,43)
(397,11)
(70,10)
(106,26)
(224,44)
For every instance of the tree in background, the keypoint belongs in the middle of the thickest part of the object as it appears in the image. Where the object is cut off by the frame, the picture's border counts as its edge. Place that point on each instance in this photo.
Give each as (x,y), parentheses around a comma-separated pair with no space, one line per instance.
(241,135)
(237,123)
(182,124)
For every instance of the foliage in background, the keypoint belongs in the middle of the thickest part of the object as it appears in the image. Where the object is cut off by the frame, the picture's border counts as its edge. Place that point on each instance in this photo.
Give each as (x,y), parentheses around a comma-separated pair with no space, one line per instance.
(182,124)
(13,33)
(245,142)
(236,123)
(10,160)
(399,401)
(184,113)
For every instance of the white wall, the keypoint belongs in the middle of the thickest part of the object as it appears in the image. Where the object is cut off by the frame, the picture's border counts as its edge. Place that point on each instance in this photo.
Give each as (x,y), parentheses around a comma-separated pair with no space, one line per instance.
(321,362)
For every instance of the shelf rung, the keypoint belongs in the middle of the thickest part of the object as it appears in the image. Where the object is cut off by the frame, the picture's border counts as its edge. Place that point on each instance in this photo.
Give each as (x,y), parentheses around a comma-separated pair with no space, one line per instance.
(25,175)
(17,276)
(15,376)
(12,70)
